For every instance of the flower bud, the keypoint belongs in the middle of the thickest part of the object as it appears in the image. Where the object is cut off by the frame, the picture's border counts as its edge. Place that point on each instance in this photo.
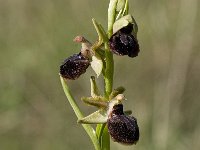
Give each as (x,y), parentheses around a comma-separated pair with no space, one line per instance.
(74,66)
(123,129)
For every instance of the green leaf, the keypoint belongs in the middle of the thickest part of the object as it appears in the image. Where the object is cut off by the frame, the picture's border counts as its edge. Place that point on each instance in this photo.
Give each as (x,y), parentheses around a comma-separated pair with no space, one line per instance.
(99,131)
(97,64)
(97,117)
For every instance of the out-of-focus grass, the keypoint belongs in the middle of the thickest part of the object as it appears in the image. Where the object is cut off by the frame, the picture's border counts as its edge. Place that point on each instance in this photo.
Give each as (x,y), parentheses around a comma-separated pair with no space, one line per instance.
(163,83)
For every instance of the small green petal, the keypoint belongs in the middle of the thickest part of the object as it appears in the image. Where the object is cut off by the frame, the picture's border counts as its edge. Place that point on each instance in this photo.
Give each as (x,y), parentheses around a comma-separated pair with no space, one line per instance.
(116,91)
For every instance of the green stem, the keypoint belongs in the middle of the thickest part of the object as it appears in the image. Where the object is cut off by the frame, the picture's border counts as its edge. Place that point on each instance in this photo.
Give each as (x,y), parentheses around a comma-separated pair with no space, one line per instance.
(108,76)
(109,70)
(90,131)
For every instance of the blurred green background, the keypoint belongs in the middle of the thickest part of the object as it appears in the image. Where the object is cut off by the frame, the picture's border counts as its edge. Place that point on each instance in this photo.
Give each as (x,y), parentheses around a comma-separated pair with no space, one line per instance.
(162,84)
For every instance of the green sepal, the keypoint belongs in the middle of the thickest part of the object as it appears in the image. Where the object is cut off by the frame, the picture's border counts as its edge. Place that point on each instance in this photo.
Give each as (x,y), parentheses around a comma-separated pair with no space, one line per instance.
(99,54)
(97,64)
(101,33)
(97,117)
(94,88)
(98,101)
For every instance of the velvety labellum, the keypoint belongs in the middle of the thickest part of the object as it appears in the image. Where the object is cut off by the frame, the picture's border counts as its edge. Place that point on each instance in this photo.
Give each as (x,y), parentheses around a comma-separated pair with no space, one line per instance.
(124,43)
(74,66)
(123,129)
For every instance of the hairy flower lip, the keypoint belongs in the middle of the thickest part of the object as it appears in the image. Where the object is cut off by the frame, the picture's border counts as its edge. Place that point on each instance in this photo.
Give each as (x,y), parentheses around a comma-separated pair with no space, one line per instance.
(74,66)
(128,29)
(124,43)
(123,129)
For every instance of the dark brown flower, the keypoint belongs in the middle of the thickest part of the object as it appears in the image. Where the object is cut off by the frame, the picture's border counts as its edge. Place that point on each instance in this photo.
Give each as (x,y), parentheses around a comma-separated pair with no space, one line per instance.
(123,129)
(74,66)
(124,43)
